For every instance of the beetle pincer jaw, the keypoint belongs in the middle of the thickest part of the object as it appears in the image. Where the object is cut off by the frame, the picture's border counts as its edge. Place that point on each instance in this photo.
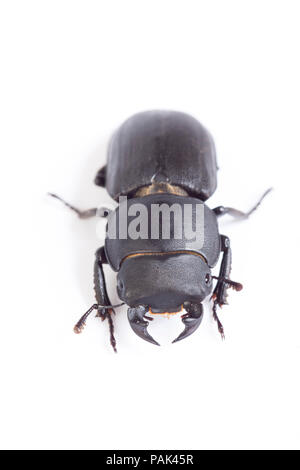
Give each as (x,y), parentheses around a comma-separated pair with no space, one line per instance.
(191,320)
(139,324)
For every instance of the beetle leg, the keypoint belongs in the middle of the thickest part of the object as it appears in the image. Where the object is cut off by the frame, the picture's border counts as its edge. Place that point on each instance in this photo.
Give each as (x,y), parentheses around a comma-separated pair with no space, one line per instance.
(102,295)
(219,295)
(191,319)
(216,318)
(100,179)
(220,291)
(103,306)
(88,213)
(136,317)
(221,210)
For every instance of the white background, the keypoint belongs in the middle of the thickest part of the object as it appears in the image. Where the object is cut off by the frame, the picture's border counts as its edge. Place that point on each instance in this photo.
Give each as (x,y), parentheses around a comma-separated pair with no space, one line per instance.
(71,72)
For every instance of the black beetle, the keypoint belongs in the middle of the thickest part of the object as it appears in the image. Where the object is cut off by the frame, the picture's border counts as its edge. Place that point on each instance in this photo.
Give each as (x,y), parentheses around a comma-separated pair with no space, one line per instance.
(162,159)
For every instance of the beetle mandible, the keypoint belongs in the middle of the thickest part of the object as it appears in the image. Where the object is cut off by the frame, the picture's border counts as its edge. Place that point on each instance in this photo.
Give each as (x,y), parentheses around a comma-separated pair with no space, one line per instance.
(162,158)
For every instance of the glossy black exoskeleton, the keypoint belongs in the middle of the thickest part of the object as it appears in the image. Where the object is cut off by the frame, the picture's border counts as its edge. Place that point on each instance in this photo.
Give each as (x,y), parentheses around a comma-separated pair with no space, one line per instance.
(162,159)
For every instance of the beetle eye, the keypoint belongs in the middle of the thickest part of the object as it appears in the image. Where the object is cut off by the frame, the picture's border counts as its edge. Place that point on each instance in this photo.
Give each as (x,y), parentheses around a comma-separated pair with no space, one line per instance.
(208,278)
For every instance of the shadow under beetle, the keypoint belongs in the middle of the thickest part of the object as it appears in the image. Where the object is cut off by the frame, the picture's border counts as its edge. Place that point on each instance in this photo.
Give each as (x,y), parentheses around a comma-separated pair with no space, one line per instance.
(162,157)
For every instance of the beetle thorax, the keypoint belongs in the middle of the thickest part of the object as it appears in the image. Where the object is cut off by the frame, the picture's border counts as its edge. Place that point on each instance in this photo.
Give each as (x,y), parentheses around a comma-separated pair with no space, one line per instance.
(159,188)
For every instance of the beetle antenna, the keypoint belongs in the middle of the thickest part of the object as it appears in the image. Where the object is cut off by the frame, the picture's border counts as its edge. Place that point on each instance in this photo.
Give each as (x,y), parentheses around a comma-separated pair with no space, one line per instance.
(82,321)
(111,306)
(235,285)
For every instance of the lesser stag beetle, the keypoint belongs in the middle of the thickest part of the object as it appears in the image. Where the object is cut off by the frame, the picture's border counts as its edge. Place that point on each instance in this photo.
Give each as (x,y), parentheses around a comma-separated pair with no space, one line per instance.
(162,160)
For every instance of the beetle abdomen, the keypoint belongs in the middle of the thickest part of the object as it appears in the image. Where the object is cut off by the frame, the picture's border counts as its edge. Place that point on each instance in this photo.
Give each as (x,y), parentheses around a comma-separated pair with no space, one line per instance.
(161,147)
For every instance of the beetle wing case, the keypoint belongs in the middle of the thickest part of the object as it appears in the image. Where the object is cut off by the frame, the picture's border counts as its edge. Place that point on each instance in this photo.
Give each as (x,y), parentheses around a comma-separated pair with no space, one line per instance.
(161,146)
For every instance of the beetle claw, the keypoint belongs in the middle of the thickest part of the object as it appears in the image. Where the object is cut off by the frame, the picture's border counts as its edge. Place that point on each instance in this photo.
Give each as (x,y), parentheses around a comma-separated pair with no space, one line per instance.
(191,319)
(136,317)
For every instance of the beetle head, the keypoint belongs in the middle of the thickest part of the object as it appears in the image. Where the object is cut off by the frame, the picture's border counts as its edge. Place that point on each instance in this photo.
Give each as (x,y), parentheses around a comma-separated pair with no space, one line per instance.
(163,284)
